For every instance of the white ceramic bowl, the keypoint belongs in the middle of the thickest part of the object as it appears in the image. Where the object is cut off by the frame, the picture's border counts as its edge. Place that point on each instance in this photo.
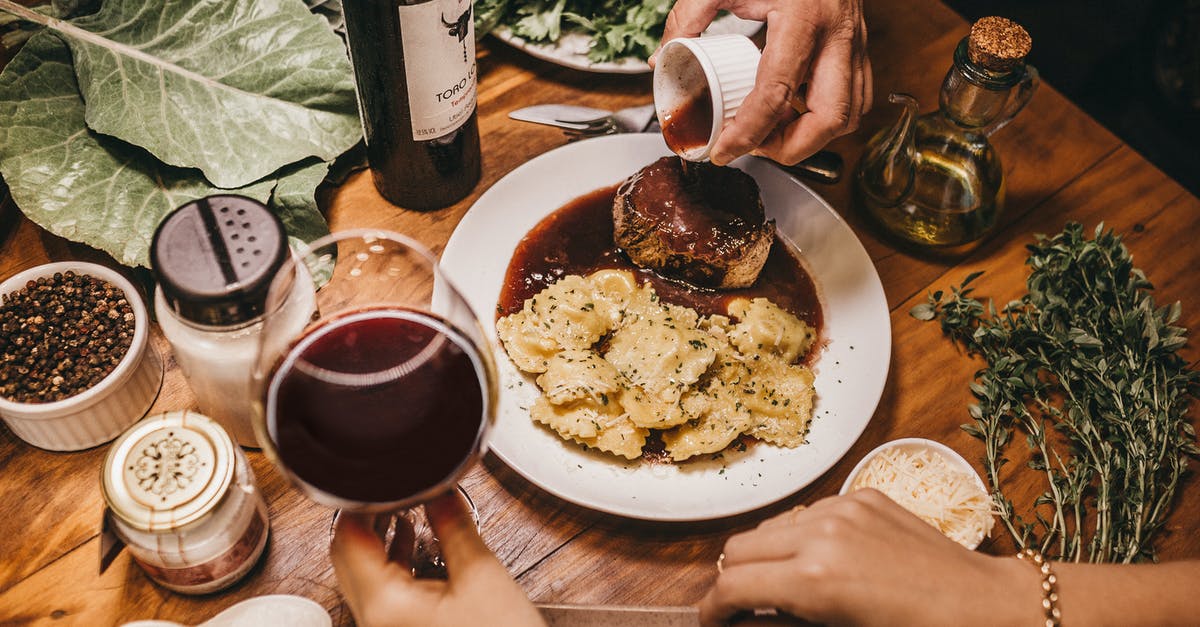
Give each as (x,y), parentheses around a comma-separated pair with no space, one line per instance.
(726,64)
(913,445)
(103,411)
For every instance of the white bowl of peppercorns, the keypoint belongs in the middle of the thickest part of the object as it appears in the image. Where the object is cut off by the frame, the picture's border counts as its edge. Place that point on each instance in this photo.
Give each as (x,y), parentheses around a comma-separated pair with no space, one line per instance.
(76,363)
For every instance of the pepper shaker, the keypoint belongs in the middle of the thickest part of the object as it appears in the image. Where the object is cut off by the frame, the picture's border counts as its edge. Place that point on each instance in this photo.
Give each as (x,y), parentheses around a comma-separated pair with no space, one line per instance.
(214,259)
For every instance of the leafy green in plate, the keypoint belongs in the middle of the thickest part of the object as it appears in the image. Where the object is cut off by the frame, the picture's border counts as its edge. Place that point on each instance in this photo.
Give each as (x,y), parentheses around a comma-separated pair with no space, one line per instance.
(614,37)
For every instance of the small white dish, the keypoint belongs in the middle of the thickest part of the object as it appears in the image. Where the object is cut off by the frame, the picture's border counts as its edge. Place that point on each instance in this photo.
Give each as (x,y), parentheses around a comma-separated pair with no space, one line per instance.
(724,66)
(912,445)
(272,610)
(103,411)
(915,445)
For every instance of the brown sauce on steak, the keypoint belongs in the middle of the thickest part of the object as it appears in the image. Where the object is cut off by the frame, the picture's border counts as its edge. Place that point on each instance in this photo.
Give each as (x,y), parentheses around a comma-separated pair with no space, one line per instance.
(696,208)
(578,239)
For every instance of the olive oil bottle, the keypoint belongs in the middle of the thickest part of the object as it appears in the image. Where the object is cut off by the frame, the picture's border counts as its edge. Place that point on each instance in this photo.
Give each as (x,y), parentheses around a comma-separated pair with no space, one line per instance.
(934,180)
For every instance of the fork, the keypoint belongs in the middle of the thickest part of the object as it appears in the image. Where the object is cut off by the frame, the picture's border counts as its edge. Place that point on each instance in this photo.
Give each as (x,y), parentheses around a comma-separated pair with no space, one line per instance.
(592,128)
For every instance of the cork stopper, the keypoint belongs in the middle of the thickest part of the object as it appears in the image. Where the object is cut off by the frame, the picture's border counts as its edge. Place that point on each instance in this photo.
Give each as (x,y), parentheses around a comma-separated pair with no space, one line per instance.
(998,44)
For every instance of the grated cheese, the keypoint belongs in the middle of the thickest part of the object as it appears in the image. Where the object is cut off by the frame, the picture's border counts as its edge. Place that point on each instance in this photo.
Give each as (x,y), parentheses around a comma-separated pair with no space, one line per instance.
(924,483)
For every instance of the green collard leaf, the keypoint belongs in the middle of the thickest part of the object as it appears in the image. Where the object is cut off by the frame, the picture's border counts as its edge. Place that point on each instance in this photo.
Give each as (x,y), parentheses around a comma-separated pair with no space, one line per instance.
(77,183)
(295,200)
(331,12)
(235,88)
(350,162)
(71,8)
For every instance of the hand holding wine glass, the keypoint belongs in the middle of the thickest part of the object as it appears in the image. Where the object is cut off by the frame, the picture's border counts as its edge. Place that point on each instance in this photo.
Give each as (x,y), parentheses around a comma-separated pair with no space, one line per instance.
(382,592)
(384,402)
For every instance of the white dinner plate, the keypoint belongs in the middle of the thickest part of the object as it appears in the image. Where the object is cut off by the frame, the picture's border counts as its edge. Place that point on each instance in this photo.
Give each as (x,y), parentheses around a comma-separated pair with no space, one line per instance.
(571,48)
(851,368)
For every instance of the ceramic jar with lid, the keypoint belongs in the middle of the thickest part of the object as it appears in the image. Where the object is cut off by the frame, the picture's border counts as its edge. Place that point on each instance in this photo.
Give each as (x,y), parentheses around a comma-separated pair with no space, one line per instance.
(182,497)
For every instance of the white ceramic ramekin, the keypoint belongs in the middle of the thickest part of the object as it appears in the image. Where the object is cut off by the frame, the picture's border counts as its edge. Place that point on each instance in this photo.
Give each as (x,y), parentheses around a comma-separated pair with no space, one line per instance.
(727,64)
(103,411)
(912,445)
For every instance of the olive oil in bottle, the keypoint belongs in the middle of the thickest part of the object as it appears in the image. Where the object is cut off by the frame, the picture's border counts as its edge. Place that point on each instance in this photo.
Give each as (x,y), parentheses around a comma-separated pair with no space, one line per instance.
(935,180)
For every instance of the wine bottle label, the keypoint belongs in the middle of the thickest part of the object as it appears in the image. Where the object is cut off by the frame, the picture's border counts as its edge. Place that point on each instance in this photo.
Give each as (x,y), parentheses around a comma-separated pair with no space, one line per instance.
(439,59)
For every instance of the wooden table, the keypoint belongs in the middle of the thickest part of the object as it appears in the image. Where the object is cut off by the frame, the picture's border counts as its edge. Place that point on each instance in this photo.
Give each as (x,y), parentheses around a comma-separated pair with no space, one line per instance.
(1061,165)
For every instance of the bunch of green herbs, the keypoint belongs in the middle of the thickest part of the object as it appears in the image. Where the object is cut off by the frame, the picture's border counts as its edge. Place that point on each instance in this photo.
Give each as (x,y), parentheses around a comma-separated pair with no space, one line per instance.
(1087,368)
(617,28)
(111,119)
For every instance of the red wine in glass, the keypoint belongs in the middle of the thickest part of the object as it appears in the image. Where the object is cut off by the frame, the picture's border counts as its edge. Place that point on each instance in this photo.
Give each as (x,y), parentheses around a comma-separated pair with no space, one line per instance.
(378,406)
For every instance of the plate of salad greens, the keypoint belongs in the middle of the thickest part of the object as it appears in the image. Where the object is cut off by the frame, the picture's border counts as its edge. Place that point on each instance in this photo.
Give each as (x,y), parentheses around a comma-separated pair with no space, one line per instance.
(607,36)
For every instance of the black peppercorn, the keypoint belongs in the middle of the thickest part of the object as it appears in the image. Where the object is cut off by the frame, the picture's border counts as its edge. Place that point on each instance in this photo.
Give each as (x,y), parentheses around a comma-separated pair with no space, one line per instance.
(62,335)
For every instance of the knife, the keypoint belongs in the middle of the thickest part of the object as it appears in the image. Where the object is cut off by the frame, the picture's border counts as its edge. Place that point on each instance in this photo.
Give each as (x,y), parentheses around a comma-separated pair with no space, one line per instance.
(557,615)
(825,166)
(569,615)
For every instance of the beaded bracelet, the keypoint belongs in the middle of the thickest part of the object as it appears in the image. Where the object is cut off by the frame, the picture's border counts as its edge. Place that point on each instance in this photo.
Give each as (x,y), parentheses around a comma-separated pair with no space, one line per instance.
(1049,586)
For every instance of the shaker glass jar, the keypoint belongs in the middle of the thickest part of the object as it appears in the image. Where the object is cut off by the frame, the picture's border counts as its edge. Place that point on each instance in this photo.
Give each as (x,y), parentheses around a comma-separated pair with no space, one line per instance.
(182,497)
(214,259)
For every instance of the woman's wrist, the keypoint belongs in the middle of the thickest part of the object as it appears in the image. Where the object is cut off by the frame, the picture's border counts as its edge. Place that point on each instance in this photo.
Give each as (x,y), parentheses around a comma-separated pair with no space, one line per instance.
(1014,595)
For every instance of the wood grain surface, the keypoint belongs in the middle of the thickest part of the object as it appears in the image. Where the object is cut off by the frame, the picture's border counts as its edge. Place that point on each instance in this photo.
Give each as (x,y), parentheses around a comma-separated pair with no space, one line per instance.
(1060,166)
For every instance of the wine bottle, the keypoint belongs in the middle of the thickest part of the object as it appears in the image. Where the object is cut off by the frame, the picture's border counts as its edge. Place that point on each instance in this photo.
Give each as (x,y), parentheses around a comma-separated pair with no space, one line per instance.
(414,66)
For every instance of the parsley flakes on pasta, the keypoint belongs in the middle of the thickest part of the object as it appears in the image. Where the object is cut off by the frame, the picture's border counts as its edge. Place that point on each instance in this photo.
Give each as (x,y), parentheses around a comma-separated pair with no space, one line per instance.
(615,362)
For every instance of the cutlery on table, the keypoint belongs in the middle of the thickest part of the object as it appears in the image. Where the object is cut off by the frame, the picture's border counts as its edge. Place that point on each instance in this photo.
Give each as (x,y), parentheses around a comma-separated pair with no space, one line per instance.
(569,615)
(581,122)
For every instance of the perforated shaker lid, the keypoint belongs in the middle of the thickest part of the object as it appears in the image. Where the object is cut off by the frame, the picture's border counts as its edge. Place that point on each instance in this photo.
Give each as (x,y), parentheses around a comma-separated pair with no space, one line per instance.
(168,471)
(214,258)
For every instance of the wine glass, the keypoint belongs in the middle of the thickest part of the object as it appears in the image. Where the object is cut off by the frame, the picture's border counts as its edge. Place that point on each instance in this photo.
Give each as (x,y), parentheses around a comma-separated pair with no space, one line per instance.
(385,399)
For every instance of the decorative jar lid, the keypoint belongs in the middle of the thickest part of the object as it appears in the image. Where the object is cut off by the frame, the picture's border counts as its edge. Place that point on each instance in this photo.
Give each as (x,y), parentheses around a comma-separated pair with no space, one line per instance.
(168,471)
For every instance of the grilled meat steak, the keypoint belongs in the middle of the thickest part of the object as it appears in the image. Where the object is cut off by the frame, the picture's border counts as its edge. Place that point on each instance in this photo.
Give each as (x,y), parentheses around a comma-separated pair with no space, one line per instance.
(703,224)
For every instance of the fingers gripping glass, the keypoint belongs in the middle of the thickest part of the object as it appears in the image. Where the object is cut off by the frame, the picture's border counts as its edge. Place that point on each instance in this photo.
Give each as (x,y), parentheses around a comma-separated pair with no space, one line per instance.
(385,400)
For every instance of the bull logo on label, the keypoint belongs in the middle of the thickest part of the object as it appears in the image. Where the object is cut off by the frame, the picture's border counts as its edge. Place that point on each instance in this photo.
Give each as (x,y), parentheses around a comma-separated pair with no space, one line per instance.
(460,28)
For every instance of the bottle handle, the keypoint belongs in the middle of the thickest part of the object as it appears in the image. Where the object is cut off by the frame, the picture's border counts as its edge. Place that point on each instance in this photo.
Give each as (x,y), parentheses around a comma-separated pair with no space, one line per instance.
(1017,101)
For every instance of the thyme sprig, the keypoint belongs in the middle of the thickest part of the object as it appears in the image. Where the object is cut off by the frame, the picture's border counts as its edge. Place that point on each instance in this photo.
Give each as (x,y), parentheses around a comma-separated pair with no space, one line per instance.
(1087,368)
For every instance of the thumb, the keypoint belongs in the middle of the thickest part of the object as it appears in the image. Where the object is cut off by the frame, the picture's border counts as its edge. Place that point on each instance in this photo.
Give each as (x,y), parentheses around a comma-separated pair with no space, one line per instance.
(454,525)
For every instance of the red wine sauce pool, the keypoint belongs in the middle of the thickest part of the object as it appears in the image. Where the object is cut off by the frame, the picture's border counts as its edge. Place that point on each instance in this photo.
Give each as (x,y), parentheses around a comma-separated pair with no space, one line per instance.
(690,126)
(377,405)
(578,239)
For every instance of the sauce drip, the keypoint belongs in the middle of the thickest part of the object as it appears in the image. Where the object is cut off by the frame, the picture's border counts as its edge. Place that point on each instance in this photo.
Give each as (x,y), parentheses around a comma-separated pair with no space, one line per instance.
(698,208)
(690,126)
(578,239)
